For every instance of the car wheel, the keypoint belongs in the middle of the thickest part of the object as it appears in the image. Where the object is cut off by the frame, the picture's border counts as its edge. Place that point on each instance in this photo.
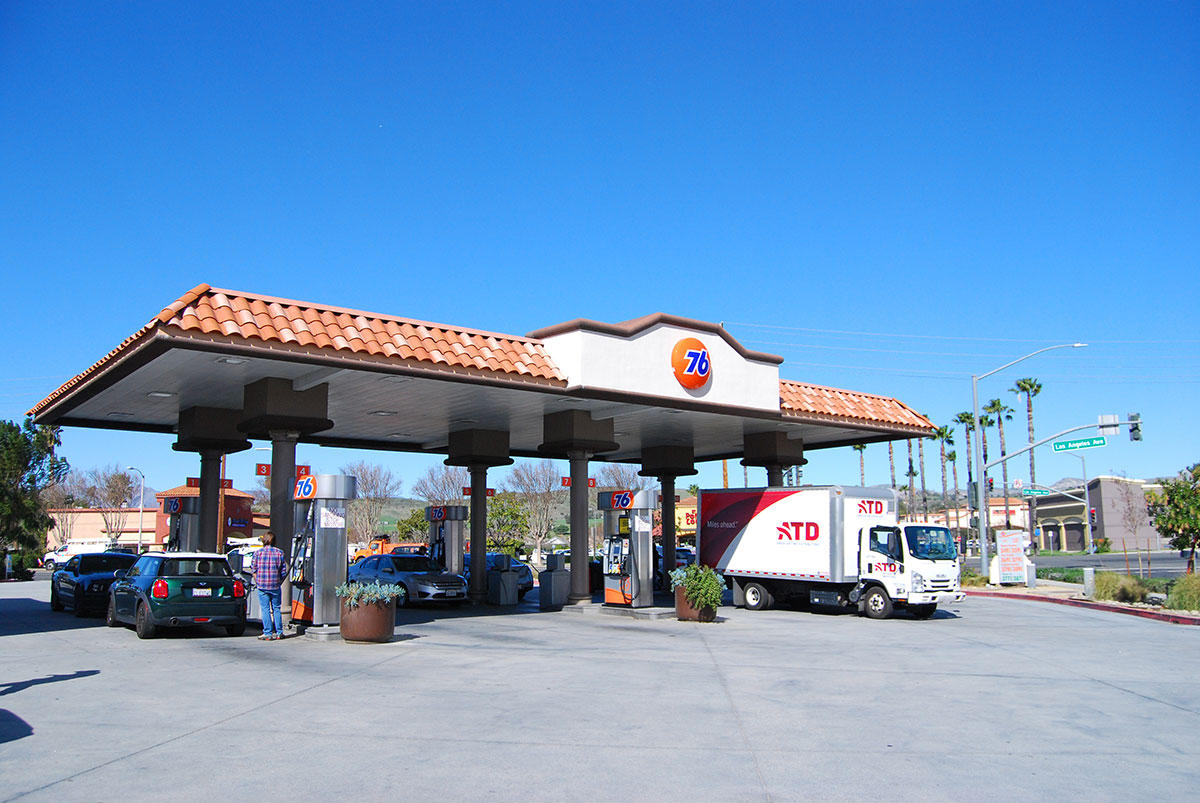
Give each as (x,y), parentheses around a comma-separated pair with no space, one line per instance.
(521,593)
(55,602)
(757,597)
(235,630)
(49,566)
(402,597)
(145,627)
(80,612)
(110,618)
(876,603)
(922,611)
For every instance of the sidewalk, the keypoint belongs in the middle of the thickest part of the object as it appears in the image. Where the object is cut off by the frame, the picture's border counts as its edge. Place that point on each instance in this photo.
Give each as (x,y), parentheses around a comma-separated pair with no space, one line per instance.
(1072,594)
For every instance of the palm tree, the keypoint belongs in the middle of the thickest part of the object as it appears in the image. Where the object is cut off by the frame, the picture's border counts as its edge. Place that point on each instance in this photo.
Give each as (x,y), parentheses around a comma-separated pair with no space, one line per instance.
(921,465)
(985,421)
(1002,412)
(892,463)
(967,419)
(1030,387)
(862,465)
(952,458)
(912,489)
(945,437)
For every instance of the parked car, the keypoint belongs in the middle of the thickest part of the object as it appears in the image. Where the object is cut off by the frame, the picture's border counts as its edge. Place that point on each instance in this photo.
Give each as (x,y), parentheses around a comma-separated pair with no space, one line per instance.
(498,561)
(178,589)
(422,579)
(82,584)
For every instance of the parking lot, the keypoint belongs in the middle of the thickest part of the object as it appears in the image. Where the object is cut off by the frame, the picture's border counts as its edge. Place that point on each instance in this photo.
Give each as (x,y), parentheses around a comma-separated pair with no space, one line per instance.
(990,699)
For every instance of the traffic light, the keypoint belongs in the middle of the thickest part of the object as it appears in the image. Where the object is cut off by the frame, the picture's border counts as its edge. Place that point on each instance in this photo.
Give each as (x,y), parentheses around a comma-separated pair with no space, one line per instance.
(1135,427)
(991,484)
(1092,516)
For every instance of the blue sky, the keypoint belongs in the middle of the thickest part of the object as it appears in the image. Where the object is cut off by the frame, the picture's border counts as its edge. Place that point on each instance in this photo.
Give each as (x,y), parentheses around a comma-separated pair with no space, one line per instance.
(890,196)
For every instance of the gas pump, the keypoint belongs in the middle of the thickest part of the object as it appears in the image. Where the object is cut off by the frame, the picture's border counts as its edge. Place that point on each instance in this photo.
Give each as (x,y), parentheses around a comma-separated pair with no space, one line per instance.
(628,547)
(318,563)
(183,523)
(446,538)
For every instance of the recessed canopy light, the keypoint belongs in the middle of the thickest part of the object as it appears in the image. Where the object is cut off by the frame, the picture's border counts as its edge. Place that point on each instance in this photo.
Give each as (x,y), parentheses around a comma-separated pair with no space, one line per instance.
(383,412)
(120,414)
(399,435)
(396,379)
(160,394)
(232,360)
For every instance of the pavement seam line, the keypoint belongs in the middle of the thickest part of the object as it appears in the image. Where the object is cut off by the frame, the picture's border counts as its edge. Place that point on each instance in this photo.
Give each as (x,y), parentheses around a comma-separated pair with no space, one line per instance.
(736,714)
(194,731)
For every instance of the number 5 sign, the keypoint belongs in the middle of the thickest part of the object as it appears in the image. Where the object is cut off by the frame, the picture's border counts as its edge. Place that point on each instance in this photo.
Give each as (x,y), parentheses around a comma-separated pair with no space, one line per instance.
(306,488)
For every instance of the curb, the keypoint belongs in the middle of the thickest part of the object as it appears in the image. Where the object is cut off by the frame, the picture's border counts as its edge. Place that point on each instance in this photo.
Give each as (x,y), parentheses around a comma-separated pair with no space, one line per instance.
(1173,618)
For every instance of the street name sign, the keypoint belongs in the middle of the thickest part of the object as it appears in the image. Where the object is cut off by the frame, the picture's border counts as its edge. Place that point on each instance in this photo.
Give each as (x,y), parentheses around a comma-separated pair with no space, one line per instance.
(1034,492)
(1079,443)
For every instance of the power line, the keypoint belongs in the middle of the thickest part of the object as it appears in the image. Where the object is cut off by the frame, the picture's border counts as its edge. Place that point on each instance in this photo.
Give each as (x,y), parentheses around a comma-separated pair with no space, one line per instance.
(945,337)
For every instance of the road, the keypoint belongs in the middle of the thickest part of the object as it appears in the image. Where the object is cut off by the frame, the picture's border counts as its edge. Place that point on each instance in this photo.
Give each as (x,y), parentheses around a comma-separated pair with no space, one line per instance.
(991,699)
(1162,563)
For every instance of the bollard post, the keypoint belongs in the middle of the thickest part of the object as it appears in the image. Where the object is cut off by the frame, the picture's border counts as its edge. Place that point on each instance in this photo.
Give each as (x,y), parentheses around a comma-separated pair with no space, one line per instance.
(1089,583)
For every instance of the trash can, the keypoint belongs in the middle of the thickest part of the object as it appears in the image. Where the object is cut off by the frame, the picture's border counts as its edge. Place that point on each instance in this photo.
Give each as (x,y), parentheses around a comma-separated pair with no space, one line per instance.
(554,584)
(502,587)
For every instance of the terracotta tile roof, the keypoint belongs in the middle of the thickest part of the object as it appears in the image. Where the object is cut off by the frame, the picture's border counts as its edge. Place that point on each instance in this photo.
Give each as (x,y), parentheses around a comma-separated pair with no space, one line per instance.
(852,407)
(245,316)
(252,317)
(186,491)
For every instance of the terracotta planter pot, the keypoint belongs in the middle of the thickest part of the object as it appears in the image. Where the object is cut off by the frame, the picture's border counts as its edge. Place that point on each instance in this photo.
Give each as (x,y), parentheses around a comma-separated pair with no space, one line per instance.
(374,622)
(686,612)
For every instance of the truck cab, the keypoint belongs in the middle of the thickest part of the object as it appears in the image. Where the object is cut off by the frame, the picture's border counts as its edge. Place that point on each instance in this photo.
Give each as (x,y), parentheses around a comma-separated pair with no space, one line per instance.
(914,566)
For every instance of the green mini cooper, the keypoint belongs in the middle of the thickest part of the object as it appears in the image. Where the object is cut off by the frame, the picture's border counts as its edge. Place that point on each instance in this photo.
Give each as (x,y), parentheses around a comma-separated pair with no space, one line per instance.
(178,589)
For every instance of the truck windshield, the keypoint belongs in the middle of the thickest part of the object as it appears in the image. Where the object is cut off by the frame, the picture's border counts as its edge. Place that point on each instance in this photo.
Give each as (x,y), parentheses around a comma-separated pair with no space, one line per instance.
(930,543)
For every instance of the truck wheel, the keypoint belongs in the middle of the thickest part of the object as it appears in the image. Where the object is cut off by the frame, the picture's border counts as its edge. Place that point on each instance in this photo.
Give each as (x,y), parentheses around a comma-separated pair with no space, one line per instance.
(876,603)
(235,630)
(55,602)
(922,611)
(145,627)
(757,597)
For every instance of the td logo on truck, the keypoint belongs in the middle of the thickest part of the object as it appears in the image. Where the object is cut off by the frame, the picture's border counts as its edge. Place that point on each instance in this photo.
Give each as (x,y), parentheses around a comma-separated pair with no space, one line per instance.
(798,531)
(691,363)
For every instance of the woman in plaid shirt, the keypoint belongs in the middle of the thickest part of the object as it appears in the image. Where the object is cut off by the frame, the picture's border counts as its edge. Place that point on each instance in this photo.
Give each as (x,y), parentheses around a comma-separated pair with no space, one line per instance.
(268,568)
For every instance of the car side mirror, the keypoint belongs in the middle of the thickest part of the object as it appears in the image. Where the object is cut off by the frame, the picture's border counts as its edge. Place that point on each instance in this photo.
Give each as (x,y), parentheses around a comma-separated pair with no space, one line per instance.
(119,574)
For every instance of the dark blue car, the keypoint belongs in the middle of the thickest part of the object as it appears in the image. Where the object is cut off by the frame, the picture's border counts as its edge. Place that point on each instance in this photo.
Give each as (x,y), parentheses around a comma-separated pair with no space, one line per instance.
(82,583)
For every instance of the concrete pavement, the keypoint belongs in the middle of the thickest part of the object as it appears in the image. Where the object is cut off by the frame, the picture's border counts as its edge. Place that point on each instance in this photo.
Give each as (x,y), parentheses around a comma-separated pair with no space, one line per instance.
(990,699)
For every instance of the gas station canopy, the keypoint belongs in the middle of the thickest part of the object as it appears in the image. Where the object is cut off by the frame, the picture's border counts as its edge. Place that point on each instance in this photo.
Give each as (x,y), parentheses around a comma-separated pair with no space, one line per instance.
(401,384)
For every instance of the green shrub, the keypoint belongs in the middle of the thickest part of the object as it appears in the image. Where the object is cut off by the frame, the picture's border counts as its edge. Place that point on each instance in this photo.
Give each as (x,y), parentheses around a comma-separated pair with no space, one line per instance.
(702,586)
(1103,544)
(1185,594)
(971,578)
(1062,575)
(1119,587)
(375,593)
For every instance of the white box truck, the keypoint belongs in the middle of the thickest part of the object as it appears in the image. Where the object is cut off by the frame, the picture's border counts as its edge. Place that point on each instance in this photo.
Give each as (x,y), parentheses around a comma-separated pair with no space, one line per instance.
(830,545)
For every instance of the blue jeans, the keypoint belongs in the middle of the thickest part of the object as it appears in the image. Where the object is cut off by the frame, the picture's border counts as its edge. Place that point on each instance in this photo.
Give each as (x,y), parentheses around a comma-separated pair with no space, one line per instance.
(269,600)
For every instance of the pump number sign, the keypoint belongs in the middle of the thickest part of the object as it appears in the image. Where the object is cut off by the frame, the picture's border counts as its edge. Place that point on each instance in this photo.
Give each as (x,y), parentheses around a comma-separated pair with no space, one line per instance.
(306,488)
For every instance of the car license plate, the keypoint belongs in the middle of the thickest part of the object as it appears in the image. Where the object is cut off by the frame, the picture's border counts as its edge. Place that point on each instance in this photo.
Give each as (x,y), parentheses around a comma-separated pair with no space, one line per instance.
(453,593)
(201,592)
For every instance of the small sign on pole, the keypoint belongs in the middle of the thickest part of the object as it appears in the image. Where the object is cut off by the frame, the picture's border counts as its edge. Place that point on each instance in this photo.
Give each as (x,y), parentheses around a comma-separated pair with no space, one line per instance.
(1080,443)
(1034,492)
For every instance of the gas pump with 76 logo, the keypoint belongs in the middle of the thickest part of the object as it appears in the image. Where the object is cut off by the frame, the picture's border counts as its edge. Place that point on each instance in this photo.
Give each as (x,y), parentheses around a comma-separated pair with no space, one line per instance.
(629,559)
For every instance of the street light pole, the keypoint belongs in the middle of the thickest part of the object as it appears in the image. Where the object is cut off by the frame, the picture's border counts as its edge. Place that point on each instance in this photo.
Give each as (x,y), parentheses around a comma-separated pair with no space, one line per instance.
(141,502)
(1087,505)
(981,500)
